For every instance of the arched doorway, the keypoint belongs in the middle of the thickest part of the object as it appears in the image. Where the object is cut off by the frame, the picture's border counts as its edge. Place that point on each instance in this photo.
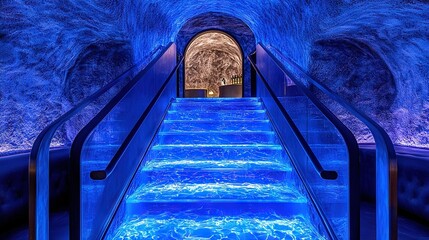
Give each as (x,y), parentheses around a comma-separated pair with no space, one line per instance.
(213,66)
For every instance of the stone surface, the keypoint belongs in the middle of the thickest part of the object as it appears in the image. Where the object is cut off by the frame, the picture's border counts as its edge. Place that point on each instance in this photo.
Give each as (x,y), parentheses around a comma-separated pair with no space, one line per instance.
(376,54)
(209,58)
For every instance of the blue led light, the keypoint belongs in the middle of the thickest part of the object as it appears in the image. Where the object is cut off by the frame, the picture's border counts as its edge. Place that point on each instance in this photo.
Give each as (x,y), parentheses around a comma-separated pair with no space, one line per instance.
(216,170)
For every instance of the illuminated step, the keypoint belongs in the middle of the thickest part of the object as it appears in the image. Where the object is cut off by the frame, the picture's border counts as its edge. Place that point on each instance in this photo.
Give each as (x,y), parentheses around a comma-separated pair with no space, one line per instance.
(218,100)
(325,137)
(210,125)
(214,106)
(216,191)
(220,175)
(156,164)
(226,197)
(217,115)
(220,137)
(217,151)
(188,225)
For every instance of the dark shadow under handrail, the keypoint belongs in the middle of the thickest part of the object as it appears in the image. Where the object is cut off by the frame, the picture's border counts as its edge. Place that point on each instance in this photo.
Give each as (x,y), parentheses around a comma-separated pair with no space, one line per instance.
(325,174)
(386,162)
(103,174)
(38,169)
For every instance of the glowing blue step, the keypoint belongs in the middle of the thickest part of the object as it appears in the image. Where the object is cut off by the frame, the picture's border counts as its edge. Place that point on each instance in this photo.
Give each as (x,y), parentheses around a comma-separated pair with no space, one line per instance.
(216,171)
(216,137)
(217,115)
(214,106)
(216,164)
(219,175)
(216,152)
(210,125)
(216,191)
(228,198)
(217,100)
(192,226)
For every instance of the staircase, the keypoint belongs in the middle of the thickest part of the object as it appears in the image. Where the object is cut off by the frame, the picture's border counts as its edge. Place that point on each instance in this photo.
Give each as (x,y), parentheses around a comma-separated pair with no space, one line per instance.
(216,170)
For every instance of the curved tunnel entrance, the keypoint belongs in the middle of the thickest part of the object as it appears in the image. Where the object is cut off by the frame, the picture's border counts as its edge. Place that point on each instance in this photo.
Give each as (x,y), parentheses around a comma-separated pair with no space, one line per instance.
(213,66)
(224,23)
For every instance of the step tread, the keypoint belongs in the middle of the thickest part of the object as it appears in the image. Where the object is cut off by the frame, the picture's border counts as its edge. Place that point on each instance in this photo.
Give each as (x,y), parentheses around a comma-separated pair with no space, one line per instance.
(216,170)
(215,132)
(215,191)
(222,146)
(245,99)
(214,125)
(237,137)
(216,164)
(186,225)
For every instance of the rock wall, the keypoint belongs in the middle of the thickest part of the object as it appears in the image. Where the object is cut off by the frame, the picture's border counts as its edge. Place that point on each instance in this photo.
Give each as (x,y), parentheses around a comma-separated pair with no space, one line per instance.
(376,55)
(41,43)
(211,57)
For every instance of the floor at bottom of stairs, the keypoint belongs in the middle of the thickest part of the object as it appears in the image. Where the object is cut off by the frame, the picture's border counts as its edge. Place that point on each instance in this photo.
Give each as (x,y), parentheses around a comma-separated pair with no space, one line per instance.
(408,228)
(188,226)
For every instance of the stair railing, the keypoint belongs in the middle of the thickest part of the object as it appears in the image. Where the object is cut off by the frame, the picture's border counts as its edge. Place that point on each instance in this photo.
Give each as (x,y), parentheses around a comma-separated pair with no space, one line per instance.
(386,161)
(115,141)
(39,161)
(323,173)
(386,164)
(299,149)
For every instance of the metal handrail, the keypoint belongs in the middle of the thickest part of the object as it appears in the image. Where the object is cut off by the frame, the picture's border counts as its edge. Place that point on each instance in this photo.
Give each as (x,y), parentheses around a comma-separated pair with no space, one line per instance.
(38,170)
(83,135)
(105,173)
(352,149)
(325,174)
(386,162)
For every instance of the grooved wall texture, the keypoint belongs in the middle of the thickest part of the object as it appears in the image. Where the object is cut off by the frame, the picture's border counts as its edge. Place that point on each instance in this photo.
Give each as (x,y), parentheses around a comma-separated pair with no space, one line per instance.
(47,46)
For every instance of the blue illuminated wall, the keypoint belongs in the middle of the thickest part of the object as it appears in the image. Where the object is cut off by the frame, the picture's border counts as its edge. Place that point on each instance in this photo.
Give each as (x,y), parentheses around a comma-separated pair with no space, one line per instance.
(47,48)
(379,52)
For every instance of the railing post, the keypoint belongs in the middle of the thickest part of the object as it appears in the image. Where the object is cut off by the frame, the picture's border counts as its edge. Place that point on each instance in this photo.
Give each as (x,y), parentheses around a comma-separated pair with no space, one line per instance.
(386,193)
(39,193)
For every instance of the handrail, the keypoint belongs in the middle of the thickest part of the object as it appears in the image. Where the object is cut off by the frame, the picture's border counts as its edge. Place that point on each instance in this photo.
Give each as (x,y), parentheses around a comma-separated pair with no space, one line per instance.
(38,169)
(325,174)
(84,134)
(121,199)
(103,174)
(386,162)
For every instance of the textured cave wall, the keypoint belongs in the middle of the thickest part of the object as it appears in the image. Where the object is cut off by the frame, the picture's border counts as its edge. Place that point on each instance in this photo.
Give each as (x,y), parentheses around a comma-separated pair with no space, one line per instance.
(211,57)
(376,55)
(41,41)
(47,62)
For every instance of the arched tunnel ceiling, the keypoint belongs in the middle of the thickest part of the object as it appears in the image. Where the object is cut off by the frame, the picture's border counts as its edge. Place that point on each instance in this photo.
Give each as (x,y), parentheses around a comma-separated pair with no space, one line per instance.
(216,21)
(210,57)
(214,41)
(231,25)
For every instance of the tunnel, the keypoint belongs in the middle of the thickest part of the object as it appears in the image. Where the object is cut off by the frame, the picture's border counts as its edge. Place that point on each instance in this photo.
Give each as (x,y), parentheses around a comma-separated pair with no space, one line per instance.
(220,118)
(213,59)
